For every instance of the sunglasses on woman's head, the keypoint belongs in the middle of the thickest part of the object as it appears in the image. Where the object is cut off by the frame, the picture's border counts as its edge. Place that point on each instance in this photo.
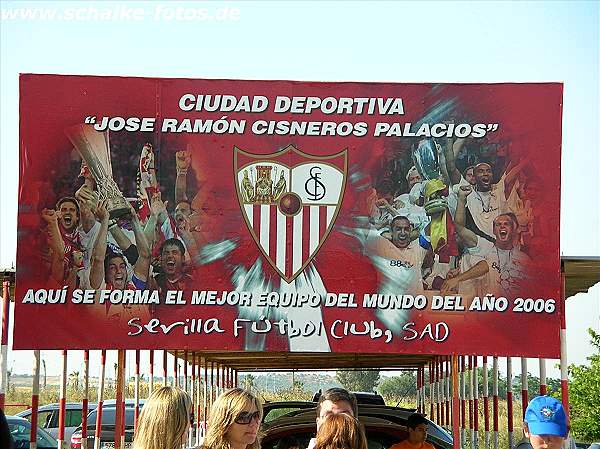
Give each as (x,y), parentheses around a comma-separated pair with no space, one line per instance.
(247,417)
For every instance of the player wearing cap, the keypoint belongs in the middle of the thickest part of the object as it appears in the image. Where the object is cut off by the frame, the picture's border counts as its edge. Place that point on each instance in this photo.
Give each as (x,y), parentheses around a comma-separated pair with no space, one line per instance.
(545,425)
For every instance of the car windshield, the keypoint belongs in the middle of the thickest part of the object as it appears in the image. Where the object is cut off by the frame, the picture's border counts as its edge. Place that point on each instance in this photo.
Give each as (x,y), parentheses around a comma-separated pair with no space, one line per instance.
(108,417)
(20,430)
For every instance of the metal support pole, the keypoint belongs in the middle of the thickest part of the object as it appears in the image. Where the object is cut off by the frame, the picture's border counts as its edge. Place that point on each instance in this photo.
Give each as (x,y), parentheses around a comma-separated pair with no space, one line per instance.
(543,385)
(524,385)
(35,396)
(4,343)
(495,405)
(62,401)
(136,412)
(564,374)
(486,406)
(85,399)
(456,440)
(100,399)
(151,379)
(509,401)
(476,402)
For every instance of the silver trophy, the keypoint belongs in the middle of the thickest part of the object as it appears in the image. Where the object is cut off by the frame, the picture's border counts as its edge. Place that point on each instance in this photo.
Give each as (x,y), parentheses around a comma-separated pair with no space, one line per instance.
(426,158)
(94,148)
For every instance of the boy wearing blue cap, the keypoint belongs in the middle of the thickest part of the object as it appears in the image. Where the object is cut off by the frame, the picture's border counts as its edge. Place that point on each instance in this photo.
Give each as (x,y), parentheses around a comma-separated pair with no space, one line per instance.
(545,424)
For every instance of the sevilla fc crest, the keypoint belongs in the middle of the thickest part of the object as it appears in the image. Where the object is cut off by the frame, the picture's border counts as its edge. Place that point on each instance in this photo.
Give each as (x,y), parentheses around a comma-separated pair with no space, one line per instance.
(289,200)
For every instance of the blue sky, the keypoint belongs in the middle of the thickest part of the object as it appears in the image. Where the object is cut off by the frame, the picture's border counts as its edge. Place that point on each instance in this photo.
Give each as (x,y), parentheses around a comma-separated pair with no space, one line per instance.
(329,41)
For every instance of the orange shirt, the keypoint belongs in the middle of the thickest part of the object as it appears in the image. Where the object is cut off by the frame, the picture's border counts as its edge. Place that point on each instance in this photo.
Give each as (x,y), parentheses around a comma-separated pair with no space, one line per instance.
(408,445)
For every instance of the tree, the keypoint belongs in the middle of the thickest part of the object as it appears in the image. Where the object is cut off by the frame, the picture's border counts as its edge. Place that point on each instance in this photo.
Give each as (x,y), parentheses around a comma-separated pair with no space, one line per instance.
(248,382)
(358,380)
(399,387)
(584,395)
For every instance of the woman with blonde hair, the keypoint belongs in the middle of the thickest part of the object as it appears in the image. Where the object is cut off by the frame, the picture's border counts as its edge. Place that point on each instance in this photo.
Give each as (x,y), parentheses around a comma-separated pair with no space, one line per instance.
(164,421)
(341,431)
(234,421)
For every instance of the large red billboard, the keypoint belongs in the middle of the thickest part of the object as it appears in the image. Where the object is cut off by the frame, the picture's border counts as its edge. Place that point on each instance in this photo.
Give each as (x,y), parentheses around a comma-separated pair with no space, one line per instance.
(289,216)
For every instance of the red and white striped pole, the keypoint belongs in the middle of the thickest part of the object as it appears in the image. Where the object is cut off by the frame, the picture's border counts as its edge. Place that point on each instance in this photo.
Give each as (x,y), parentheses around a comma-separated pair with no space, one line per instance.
(431,395)
(564,374)
(524,385)
(165,376)
(4,343)
(136,411)
(35,396)
(543,384)
(495,404)
(456,435)
(212,382)
(198,405)
(476,402)
(207,399)
(463,396)
(85,399)
(192,397)
(448,362)
(175,370)
(185,372)
(100,399)
(62,401)
(509,401)
(418,390)
(151,379)
(470,382)
(486,405)
(438,391)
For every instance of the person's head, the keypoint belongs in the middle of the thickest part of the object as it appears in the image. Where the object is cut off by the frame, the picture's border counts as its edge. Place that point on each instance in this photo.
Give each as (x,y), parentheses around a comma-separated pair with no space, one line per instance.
(470,175)
(183,210)
(413,177)
(68,209)
(115,271)
(172,254)
(341,431)
(288,442)
(400,228)
(234,421)
(483,176)
(417,428)
(385,190)
(505,230)
(545,423)
(164,420)
(334,401)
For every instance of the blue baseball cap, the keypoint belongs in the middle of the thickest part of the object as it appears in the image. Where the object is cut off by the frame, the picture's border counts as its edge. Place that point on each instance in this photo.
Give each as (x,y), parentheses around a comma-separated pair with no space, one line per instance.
(546,416)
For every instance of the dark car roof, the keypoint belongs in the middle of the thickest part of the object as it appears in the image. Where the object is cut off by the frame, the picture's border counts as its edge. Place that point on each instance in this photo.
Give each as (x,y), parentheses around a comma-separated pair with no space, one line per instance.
(303,423)
(395,415)
(56,406)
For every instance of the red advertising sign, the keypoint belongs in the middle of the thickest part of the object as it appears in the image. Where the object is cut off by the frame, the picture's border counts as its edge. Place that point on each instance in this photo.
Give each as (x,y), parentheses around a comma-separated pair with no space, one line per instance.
(289,216)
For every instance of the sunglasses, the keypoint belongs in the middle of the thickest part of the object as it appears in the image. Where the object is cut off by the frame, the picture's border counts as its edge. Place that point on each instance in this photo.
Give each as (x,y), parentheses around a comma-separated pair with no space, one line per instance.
(247,417)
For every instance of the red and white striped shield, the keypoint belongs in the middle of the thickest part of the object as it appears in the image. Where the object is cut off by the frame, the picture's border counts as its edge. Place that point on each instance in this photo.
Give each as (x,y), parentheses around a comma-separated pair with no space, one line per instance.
(289,200)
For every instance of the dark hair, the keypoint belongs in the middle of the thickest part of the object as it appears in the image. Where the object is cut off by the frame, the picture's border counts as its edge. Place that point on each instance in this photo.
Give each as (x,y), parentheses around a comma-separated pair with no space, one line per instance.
(287,443)
(68,199)
(338,395)
(414,420)
(110,255)
(175,242)
(400,217)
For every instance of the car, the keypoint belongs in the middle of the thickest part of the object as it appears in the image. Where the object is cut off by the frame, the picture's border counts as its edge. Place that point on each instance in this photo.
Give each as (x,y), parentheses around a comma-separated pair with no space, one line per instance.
(107,429)
(48,417)
(384,426)
(20,430)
